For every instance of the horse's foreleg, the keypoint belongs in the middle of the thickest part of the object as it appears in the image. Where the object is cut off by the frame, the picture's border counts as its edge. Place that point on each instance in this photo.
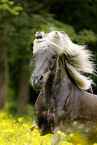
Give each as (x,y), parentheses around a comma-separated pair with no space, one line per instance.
(34,125)
(57,138)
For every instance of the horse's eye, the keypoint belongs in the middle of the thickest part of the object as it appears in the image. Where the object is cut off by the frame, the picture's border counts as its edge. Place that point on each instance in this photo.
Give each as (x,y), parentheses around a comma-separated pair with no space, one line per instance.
(54,57)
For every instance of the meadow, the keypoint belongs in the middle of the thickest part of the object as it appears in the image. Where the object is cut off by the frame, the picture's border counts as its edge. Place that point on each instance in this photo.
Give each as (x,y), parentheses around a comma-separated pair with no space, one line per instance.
(15,130)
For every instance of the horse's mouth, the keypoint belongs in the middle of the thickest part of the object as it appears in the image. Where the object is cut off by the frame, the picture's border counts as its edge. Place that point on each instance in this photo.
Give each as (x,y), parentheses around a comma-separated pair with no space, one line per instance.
(37,87)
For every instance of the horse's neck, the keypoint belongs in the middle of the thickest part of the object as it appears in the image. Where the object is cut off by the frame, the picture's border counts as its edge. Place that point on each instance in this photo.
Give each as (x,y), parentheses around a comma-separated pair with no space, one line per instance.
(62,86)
(59,86)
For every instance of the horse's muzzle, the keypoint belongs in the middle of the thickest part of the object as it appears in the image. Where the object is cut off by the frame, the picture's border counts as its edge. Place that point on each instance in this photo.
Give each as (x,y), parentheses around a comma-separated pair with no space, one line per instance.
(37,82)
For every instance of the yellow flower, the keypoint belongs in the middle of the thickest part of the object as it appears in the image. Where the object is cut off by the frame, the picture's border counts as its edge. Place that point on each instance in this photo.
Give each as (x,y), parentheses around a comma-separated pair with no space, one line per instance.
(71,135)
(59,131)
(17,124)
(20,119)
(36,127)
(25,125)
(95,144)
(14,120)
(63,134)
(10,115)
(28,137)
(10,130)
(3,120)
(66,143)
(14,125)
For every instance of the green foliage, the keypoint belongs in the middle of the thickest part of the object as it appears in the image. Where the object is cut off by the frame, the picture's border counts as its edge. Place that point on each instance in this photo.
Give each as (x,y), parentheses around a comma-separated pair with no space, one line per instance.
(80,14)
(88,36)
(46,23)
(7,5)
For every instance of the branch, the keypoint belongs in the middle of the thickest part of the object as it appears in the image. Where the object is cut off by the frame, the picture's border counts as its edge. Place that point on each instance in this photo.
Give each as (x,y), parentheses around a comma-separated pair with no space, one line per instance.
(37,8)
(45,4)
(94,3)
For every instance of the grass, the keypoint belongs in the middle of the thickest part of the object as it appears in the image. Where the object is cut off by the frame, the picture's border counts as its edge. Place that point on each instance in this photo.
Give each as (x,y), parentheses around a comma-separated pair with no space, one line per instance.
(15,130)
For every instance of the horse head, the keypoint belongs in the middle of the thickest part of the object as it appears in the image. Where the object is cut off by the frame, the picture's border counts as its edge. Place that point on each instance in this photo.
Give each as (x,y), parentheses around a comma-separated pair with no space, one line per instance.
(45,62)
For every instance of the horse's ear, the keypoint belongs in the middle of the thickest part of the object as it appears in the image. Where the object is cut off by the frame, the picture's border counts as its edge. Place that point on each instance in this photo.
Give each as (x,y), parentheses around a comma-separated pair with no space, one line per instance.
(39,35)
(56,35)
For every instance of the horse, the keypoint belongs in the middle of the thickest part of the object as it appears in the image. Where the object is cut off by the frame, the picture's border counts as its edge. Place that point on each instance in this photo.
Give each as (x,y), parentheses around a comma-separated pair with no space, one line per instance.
(62,74)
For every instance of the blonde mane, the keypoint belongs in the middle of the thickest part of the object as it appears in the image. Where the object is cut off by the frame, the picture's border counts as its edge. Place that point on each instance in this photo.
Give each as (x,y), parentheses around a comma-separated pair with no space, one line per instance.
(78,59)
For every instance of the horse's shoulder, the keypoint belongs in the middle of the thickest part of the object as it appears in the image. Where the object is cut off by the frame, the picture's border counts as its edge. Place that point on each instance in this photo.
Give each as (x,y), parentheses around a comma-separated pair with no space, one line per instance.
(88,106)
(90,96)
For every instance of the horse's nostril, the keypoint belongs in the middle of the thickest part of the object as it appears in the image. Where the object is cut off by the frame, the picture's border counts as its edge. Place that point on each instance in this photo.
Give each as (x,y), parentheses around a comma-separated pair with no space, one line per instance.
(37,81)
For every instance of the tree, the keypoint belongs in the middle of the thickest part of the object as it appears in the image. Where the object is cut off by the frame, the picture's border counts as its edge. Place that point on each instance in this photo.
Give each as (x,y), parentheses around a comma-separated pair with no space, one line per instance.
(6,9)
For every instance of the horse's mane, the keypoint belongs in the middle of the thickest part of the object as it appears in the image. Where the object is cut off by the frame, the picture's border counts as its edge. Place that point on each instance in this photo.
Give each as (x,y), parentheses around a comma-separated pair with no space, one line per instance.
(77,58)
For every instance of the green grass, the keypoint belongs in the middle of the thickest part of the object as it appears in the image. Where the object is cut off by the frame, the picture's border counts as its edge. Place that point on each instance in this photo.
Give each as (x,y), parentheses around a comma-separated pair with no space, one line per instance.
(15,130)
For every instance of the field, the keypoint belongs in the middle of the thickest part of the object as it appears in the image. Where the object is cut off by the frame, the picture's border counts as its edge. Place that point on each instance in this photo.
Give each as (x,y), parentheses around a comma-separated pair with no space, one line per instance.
(15,130)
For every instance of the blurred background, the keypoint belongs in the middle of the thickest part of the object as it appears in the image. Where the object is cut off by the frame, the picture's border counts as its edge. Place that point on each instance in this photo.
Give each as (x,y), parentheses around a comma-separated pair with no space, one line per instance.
(19,20)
